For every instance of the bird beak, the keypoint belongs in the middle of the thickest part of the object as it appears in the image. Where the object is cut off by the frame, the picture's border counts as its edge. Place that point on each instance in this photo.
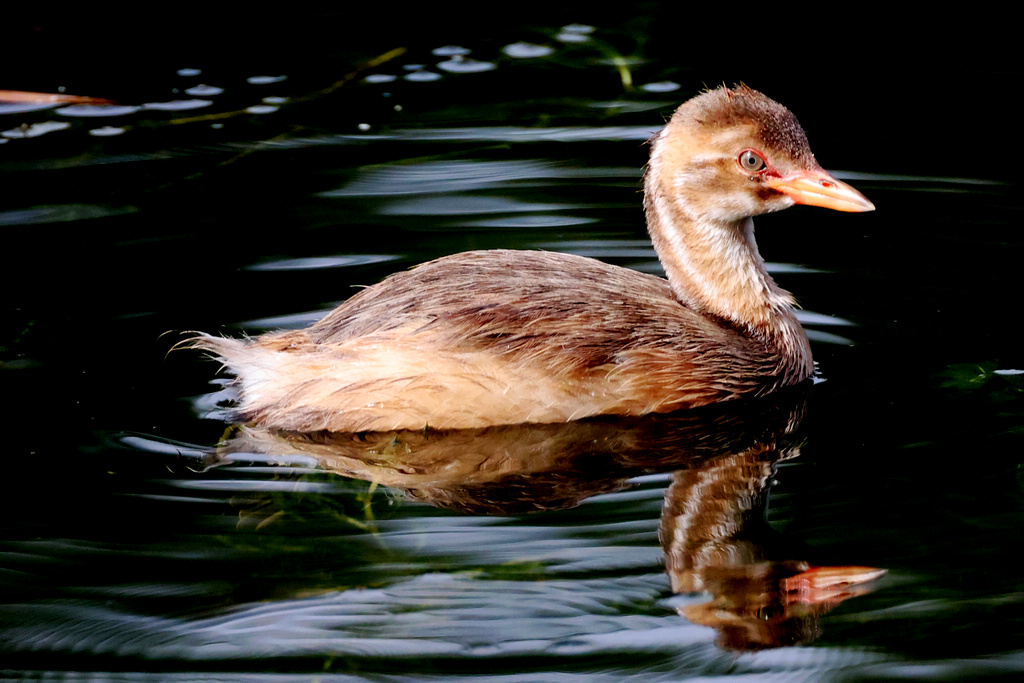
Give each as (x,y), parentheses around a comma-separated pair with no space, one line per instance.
(817,188)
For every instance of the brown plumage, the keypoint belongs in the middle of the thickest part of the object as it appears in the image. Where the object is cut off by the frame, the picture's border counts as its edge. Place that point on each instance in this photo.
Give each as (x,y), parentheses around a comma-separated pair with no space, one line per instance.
(507,337)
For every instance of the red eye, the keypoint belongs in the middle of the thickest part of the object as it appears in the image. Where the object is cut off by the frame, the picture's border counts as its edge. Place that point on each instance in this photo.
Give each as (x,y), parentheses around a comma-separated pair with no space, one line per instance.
(751,161)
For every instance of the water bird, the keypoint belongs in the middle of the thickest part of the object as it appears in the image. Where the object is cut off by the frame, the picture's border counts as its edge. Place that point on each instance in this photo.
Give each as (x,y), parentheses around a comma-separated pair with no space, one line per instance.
(509,337)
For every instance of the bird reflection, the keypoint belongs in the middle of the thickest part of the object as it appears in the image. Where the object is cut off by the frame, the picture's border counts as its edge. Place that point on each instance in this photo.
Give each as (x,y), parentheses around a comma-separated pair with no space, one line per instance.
(713,532)
(716,540)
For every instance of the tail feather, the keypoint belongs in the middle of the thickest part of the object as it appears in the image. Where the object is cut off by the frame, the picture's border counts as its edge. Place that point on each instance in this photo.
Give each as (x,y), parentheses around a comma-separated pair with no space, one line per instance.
(221,348)
(224,349)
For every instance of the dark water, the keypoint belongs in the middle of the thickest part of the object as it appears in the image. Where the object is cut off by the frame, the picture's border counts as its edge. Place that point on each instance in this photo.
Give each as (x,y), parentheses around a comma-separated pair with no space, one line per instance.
(251,185)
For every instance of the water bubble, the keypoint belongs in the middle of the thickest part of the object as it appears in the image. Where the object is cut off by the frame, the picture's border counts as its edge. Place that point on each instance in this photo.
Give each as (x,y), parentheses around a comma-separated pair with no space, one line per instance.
(203,90)
(177,105)
(274,100)
(106,131)
(189,72)
(572,38)
(261,109)
(450,51)
(423,76)
(35,130)
(364,127)
(263,80)
(660,86)
(526,50)
(97,110)
(465,66)
(379,78)
(575,33)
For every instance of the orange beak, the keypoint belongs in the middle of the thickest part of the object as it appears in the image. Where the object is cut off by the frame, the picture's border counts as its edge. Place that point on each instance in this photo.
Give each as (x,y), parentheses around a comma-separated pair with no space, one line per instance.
(817,188)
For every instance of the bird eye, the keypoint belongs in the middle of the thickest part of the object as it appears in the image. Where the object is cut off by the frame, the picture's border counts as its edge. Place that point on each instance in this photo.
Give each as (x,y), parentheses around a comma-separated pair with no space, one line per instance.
(750,161)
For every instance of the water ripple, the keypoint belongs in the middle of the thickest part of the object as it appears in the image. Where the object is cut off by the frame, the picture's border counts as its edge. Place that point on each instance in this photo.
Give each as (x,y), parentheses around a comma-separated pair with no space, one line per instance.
(60,213)
(461,205)
(507,134)
(440,177)
(324,262)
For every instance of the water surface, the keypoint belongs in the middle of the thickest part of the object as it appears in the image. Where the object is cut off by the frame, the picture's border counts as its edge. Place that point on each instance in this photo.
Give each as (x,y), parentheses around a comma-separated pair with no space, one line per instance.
(241,195)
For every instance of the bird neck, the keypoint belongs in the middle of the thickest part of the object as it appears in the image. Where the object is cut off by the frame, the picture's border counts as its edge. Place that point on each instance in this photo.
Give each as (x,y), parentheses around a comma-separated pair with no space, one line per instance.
(714,267)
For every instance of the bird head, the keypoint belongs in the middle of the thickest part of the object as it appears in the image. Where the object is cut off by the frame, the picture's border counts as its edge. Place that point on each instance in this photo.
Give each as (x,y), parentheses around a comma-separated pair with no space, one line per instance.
(731,153)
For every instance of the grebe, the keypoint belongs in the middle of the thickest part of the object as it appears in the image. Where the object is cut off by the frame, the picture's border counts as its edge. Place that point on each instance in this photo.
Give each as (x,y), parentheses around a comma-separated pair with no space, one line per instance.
(507,337)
